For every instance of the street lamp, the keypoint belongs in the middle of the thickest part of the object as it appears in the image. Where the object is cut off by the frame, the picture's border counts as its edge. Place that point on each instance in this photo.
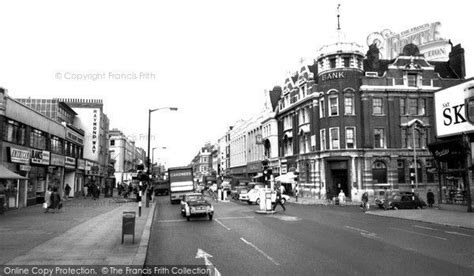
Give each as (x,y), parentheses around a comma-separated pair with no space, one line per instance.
(149,128)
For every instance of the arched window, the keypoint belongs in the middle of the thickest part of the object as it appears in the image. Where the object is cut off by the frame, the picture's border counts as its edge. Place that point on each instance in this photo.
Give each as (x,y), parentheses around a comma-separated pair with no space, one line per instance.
(379,172)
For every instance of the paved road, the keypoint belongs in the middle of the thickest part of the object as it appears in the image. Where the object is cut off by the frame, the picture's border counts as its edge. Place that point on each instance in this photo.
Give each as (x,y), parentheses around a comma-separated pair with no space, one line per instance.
(308,240)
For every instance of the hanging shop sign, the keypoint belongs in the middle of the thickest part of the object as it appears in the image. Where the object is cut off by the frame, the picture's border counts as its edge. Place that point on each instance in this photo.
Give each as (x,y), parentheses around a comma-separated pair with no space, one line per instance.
(19,155)
(40,157)
(70,162)
(57,160)
(81,164)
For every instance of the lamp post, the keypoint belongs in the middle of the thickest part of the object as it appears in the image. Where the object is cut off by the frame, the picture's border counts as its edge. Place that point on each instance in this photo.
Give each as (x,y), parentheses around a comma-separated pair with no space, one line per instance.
(149,128)
(415,165)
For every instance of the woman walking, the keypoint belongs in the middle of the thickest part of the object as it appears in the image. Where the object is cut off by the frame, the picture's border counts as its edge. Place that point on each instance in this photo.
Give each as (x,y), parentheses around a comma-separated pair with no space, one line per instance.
(55,199)
(47,199)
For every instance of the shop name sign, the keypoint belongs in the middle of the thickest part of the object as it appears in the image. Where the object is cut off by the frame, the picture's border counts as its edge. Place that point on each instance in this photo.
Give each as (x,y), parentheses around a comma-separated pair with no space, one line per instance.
(70,162)
(332,76)
(450,110)
(94,130)
(81,164)
(40,157)
(57,160)
(19,156)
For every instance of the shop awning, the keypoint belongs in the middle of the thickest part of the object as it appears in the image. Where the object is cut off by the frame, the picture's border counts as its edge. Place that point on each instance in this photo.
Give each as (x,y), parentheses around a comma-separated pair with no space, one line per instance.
(257,176)
(286,178)
(7,174)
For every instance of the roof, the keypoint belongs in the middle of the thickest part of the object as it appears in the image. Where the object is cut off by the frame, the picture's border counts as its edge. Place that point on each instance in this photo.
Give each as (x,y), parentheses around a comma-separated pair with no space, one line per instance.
(7,174)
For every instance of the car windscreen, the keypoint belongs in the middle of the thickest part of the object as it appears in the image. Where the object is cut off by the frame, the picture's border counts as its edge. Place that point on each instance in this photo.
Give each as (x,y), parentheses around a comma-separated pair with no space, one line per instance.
(194,197)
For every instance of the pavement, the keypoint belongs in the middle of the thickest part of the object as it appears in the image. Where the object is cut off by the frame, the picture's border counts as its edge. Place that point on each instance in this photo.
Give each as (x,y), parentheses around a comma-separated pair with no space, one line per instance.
(433,215)
(83,232)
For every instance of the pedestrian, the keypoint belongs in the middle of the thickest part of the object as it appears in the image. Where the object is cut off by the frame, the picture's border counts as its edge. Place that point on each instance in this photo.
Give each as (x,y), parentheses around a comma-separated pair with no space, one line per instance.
(430,198)
(342,197)
(67,190)
(365,201)
(85,190)
(278,200)
(55,200)
(47,199)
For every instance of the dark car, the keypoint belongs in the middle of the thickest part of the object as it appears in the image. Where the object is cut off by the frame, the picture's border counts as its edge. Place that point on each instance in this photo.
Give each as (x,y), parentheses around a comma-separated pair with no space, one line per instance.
(194,204)
(403,200)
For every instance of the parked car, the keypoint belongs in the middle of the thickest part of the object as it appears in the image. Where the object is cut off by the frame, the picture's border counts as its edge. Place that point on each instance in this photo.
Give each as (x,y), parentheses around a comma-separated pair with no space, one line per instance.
(254,195)
(403,200)
(380,201)
(244,194)
(194,204)
(235,193)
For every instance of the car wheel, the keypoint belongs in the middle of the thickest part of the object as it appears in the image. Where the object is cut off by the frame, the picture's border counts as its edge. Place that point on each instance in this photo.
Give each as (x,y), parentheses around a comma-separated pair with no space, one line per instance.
(210,217)
(187,218)
(258,201)
(283,201)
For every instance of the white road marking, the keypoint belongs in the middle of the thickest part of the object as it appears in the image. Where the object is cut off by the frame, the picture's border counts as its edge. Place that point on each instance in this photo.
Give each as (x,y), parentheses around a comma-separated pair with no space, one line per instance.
(236,218)
(447,232)
(260,251)
(421,234)
(210,267)
(357,229)
(287,218)
(457,233)
(222,224)
(423,227)
(171,220)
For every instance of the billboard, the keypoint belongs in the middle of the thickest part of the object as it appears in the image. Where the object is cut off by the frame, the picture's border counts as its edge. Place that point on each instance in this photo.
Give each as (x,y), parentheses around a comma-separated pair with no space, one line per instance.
(451,112)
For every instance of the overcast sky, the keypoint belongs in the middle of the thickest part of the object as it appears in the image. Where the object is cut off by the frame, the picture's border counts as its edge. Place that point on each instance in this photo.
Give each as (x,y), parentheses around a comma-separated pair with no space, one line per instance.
(211,59)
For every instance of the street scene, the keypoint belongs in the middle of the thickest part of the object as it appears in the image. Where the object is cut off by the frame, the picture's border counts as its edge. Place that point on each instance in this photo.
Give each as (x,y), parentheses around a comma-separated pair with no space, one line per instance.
(236,138)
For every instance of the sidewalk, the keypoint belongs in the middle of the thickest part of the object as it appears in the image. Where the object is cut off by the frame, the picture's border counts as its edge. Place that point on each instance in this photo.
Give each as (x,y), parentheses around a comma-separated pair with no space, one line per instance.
(84,232)
(431,215)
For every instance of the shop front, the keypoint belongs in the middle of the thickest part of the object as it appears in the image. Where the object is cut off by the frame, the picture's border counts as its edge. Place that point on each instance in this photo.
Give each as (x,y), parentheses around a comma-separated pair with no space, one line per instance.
(240,173)
(55,174)
(13,178)
(70,174)
(254,170)
(37,176)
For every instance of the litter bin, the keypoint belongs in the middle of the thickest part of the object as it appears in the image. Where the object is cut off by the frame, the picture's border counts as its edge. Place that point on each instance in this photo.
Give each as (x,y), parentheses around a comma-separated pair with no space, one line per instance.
(128,224)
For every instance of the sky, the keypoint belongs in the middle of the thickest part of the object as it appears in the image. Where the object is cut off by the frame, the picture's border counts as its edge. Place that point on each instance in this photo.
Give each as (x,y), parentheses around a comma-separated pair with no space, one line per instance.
(212,59)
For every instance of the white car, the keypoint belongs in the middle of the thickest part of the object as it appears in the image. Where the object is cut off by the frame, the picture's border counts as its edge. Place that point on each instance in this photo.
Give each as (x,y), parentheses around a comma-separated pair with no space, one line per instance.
(253,196)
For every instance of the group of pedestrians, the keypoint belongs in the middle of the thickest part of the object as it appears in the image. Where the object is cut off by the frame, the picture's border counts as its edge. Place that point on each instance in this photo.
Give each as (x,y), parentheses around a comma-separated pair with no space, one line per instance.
(91,190)
(52,200)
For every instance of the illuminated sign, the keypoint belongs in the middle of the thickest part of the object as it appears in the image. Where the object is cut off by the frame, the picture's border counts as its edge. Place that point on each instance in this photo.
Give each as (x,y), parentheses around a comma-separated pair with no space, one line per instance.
(425,36)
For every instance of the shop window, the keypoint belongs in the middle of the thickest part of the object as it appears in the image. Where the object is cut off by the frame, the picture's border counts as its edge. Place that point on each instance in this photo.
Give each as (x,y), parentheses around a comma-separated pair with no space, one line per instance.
(379,172)
(14,132)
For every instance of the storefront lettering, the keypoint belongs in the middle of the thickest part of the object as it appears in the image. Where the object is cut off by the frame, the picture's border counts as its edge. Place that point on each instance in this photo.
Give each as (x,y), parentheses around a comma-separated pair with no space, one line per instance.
(94,132)
(332,76)
(19,156)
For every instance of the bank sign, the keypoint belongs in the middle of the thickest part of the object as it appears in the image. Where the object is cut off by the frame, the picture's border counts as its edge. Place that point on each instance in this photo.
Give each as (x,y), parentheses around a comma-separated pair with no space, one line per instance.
(451,110)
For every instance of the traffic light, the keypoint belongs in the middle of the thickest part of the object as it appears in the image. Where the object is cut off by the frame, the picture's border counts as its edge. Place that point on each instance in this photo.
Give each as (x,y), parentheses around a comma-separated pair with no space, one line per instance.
(297,175)
(266,170)
(412,175)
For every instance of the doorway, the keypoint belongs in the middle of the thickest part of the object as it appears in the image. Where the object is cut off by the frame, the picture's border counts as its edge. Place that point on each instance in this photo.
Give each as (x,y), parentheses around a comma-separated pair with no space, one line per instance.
(338,176)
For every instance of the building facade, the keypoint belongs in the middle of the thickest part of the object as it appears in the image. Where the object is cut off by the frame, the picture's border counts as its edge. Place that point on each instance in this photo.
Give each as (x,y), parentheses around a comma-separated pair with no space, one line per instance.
(357,125)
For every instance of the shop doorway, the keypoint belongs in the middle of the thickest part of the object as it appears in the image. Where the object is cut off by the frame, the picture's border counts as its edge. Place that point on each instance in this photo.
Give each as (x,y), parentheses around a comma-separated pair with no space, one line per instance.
(338,179)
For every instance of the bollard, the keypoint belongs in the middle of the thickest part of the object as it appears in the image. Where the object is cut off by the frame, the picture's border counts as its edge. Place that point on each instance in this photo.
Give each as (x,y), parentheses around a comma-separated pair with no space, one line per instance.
(128,224)
(147,198)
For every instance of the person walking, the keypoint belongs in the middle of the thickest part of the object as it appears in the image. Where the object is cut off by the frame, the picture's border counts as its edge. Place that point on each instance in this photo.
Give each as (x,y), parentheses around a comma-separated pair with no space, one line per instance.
(86,190)
(430,198)
(278,200)
(47,199)
(55,200)
(365,201)
(67,190)
(342,197)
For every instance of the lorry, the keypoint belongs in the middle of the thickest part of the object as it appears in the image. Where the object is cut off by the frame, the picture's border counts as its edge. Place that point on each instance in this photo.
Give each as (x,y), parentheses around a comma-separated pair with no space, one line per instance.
(161,187)
(181,182)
